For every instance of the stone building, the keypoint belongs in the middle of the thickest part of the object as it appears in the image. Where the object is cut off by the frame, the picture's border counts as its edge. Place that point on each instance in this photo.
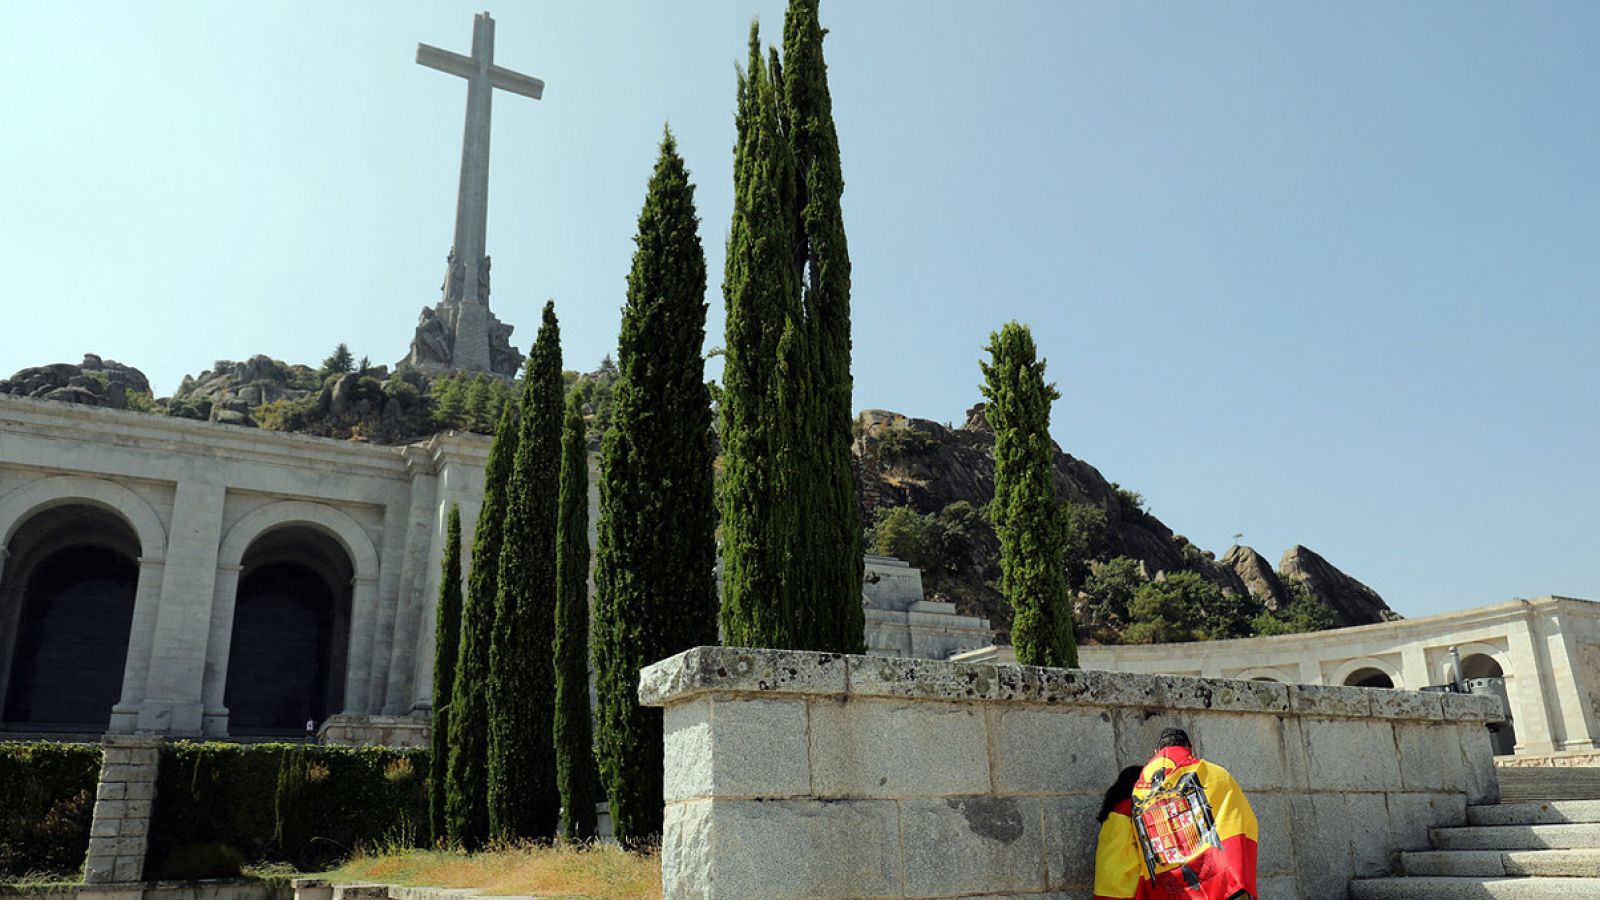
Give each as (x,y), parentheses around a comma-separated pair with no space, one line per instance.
(176,577)
(1544,655)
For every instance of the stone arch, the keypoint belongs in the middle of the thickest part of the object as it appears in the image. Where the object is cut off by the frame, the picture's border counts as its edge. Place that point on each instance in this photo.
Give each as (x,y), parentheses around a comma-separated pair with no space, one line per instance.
(358,596)
(1487,656)
(1341,674)
(60,490)
(1263,673)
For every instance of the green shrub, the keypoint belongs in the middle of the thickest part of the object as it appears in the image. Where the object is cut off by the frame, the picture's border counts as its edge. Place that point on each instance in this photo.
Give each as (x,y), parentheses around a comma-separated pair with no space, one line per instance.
(46,801)
(309,806)
(194,862)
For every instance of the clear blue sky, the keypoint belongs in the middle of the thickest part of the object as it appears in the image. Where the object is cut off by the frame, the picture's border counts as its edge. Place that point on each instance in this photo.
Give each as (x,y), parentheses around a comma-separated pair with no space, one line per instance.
(1317,273)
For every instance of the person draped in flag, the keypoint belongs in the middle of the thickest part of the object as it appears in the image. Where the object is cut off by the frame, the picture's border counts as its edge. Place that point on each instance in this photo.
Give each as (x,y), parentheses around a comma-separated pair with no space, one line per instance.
(1193,834)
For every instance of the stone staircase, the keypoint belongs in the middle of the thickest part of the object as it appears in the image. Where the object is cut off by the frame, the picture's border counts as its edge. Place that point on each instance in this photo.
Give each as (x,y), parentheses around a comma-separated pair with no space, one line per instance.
(1518,851)
(1548,783)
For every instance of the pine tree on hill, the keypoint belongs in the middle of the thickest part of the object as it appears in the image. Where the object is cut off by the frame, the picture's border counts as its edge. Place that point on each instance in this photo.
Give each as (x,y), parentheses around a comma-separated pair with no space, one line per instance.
(1027,518)
(467,791)
(655,590)
(523,799)
(446,645)
(340,362)
(574,734)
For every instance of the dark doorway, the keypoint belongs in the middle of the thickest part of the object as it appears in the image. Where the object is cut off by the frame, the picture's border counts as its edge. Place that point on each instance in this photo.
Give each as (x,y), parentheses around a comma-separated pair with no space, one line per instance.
(1369,678)
(286,659)
(68,596)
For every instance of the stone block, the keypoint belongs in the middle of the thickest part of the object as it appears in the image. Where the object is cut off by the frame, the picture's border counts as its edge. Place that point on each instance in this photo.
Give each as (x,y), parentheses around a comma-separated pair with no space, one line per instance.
(1473,708)
(135,827)
(739,670)
(891,749)
(970,845)
(1328,701)
(1430,757)
(140,790)
(129,868)
(102,827)
(926,679)
(1322,828)
(110,809)
(1483,782)
(100,869)
(1350,755)
(1223,694)
(736,747)
(127,772)
(1371,839)
(1274,850)
(1414,705)
(1249,747)
(116,846)
(1411,815)
(136,809)
(116,756)
(781,849)
(1281,888)
(143,756)
(1051,751)
(1070,836)
(116,791)
(1136,731)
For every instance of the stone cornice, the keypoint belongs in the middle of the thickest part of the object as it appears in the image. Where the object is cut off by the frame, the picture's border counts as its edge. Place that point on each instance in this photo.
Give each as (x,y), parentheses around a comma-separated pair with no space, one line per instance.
(735,671)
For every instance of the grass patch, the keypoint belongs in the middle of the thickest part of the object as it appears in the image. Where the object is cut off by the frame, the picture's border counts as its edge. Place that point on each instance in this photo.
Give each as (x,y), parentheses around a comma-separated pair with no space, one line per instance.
(600,871)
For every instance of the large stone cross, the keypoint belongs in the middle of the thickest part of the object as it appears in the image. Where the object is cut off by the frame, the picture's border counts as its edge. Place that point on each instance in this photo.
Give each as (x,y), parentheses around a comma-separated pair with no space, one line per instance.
(466,287)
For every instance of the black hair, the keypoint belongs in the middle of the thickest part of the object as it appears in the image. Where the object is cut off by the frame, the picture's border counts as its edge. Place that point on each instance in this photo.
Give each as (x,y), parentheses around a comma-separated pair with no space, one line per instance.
(1120,790)
(1173,737)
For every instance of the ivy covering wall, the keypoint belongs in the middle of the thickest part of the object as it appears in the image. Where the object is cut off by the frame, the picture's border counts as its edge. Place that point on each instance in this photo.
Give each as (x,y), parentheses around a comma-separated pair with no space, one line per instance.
(46,804)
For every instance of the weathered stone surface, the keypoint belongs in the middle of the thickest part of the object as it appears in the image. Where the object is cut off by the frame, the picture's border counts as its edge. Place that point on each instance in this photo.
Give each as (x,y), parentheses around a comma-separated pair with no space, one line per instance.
(1274,849)
(1353,603)
(1351,755)
(1223,694)
(758,751)
(871,676)
(1137,729)
(966,845)
(1472,708)
(1482,781)
(1429,760)
(782,849)
(1257,575)
(1249,747)
(1371,838)
(887,748)
(739,670)
(1320,700)
(1411,815)
(1078,750)
(1413,705)
(1070,835)
(1322,861)
(1281,888)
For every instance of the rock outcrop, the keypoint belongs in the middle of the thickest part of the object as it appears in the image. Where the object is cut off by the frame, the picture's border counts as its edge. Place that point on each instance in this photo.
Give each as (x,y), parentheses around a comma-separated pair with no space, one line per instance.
(93,382)
(1257,576)
(230,392)
(1353,603)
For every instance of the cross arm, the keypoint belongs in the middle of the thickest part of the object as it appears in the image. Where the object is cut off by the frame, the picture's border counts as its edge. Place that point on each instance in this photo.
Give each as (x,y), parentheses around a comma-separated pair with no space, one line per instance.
(515,82)
(445,61)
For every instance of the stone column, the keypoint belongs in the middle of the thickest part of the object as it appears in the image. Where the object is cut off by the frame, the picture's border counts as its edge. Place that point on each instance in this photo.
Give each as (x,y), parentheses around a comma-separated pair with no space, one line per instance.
(418,568)
(10,614)
(358,665)
(136,672)
(1413,668)
(1580,726)
(120,832)
(1529,715)
(218,648)
(1310,671)
(182,629)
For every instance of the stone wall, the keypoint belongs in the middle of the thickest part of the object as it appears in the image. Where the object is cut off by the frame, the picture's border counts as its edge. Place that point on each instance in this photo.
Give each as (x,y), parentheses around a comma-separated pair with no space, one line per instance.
(119,834)
(792,774)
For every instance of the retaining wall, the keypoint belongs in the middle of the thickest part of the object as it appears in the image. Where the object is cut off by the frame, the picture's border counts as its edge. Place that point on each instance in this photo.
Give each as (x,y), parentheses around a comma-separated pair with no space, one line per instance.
(792,774)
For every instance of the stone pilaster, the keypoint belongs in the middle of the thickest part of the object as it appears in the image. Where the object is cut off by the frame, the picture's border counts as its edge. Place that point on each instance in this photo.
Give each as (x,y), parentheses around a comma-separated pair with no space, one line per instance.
(120,832)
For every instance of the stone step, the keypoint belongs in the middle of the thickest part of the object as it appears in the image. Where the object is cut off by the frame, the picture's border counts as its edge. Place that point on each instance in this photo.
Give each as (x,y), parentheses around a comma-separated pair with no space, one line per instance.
(1554,812)
(1516,837)
(1499,863)
(1474,888)
(1518,784)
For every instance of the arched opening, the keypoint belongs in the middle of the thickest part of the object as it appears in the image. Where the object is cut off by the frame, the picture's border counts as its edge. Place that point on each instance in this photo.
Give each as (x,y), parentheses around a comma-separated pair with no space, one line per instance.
(291,627)
(1369,678)
(1265,678)
(1480,665)
(66,612)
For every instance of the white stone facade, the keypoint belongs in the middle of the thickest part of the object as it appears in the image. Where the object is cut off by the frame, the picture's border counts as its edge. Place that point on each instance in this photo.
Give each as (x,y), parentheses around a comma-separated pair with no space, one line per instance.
(901,623)
(1547,650)
(196,504)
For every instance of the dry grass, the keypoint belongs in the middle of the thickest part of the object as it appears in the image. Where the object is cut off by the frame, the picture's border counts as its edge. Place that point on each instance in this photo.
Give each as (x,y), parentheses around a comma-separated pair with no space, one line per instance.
(599,871)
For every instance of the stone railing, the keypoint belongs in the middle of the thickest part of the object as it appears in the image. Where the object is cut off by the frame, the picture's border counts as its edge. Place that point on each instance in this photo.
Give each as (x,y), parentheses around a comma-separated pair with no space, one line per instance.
(792,774)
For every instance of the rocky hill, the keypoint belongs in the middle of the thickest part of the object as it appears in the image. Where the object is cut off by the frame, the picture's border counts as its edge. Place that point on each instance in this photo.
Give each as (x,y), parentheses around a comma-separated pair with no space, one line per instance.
(929,467)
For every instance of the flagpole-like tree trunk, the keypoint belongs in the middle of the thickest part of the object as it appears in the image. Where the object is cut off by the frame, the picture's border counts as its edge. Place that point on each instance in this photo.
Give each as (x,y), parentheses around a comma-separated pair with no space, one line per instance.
(655,588)
(467,789)
(574,735)
(446,647)
(523,799)
(1027,518)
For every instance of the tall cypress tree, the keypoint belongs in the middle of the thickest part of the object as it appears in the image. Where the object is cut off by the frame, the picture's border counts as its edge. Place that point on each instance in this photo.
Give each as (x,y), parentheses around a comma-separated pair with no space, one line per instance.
(833,538)
(1033,560)
(655,588)
(574,735)
(446,646)
(765,379)
(791,519)
(467,788)
(523,799)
